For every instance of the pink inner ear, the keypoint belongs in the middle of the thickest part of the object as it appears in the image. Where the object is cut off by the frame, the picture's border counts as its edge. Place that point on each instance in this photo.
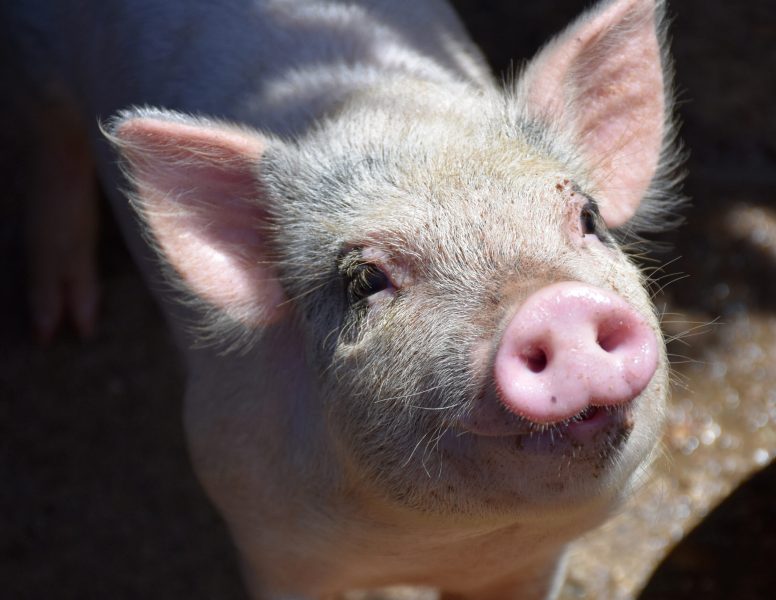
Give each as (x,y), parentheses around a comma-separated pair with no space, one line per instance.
(603,79)
(198,191)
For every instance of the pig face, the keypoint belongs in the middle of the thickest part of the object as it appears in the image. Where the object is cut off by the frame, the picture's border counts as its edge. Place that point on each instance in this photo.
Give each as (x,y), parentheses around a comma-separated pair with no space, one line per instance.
(478,342)
(430,254)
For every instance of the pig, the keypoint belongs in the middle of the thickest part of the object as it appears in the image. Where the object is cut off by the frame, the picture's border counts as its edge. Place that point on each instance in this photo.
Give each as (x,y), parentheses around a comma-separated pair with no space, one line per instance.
(417,352)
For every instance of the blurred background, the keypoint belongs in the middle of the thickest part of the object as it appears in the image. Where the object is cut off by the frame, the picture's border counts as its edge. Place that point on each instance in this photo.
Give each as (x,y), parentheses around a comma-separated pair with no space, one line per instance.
(96,496)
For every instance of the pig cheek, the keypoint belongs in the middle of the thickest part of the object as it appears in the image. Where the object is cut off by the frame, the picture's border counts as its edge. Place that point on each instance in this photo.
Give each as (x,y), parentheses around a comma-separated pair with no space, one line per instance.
(481,355)
(646,421)
(641,447)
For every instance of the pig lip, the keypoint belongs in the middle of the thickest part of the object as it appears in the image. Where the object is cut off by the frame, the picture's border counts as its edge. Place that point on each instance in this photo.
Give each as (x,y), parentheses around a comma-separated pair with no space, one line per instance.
(596,419)
(581,428)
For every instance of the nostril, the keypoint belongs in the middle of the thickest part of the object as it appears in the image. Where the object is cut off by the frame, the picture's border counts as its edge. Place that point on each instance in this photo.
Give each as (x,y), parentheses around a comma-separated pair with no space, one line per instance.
(569,351)
(613,333)
(535,359)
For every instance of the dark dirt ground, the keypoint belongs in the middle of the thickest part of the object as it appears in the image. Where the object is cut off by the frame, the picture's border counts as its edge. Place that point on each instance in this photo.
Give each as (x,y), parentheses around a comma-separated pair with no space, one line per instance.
(96,496)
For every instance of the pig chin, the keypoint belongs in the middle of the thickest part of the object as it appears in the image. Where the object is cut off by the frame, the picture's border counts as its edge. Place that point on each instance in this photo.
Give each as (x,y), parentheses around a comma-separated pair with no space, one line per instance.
(526,472)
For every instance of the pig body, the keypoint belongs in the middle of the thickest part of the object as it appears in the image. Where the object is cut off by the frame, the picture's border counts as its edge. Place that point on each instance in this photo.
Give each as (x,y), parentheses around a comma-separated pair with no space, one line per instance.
(429,361)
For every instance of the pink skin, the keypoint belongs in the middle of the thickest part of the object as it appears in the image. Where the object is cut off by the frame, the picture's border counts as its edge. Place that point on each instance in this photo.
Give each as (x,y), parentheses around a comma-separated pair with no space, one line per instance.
(569,347)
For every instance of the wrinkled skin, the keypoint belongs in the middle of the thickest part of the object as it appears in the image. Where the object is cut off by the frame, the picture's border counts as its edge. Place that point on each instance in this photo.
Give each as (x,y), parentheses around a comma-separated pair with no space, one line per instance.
(356,250)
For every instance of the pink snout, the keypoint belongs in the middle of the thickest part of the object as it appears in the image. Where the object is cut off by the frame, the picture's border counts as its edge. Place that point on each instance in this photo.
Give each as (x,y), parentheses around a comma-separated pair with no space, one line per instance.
(571,346)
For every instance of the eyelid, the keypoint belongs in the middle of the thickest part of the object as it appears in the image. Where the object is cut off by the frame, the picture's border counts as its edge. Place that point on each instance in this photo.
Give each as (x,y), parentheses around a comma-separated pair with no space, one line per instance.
(394,266)
(348,260)
(589,219)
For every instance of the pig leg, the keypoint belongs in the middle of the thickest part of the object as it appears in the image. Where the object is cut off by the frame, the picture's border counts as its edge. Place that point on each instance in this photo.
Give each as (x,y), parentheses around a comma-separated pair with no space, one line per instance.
(62,226)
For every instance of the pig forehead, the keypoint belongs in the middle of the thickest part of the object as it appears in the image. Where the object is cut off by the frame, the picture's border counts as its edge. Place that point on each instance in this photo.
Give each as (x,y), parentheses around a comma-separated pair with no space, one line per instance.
(488,227)
(415,194)
(475,204)
(503,176)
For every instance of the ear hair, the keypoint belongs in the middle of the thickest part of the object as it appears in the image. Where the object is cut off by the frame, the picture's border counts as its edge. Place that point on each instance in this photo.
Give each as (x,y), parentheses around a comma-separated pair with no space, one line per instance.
(197,187)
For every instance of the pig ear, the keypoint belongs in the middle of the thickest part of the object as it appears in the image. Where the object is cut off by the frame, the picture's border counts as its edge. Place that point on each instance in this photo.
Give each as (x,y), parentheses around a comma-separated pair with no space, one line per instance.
(602,79)
(197,187)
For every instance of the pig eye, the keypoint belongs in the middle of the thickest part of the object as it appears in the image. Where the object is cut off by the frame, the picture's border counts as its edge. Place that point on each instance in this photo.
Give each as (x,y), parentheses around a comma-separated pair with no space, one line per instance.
(365,279)
(589,218)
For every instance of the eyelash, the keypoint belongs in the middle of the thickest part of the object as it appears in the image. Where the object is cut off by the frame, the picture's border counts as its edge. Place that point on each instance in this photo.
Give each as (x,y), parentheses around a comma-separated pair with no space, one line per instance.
(364,280)
(589,219)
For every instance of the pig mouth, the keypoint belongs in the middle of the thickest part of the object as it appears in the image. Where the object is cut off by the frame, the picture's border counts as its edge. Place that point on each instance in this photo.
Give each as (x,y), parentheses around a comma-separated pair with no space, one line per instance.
(491,420)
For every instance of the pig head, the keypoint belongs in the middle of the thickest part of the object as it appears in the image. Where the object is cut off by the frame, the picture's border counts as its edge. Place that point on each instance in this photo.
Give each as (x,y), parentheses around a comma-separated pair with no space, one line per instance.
(436,364)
